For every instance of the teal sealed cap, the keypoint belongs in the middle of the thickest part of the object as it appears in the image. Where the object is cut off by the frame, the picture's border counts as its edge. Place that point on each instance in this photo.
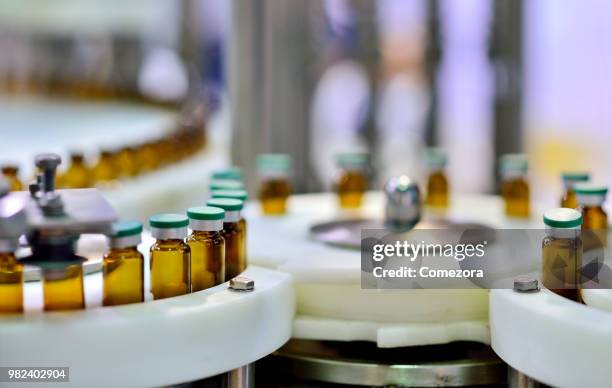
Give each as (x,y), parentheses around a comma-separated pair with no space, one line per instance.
(168,221)
(562,217)
(575,176)
(126,228)
(273,162)
(225,184)
(436,157)
(231,173)
(352,159)
(513,162)
(590,189)
(236,194)
(227,204)
(205,213)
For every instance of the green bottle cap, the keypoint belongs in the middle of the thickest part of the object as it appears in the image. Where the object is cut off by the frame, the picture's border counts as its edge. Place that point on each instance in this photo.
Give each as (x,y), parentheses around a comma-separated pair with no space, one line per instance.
(436,157)
(225,185)
(168,221)
(227,204)
(562,217)
(273,162)
(352,159)
(231,173)
(236,194)
(575,176)
(590,189)
(205,213)
(513,162)
(126,228)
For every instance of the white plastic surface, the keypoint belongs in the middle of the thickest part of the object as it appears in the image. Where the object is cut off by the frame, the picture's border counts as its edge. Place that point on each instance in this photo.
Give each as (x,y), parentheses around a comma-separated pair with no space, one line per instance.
(552,339)
(330,302)
(159,342)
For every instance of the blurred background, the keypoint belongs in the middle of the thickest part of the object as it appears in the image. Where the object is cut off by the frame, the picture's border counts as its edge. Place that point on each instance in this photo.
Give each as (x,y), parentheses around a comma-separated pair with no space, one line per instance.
(145,98)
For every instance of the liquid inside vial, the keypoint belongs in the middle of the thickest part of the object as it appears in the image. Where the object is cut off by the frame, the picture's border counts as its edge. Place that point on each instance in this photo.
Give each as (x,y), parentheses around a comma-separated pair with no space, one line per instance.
(235,258)
(11,284)
(63,288)
(437,190)
(170,268)
(273,195)
(350,187)
(10,173)
(105,170)
(123,273)
(77,176)
(569,199)
(207,259)
(515,192)
(562,265)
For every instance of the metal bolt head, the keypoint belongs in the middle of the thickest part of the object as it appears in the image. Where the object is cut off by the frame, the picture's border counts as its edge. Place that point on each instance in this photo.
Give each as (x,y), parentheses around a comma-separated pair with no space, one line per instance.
(526,284)
(241,283)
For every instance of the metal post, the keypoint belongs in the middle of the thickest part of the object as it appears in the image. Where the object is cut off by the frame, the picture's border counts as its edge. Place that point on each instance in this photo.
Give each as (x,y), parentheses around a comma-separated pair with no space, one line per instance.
(270,83)
(243,377)
(518,379)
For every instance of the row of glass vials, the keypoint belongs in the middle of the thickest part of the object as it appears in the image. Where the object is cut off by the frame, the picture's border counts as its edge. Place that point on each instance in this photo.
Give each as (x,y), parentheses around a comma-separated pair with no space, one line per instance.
(180,261)
(125,162)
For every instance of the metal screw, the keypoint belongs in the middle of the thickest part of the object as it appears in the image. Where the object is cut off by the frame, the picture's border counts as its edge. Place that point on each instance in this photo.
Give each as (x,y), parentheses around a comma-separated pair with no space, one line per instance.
(241,283)
(48,164)
(526,284)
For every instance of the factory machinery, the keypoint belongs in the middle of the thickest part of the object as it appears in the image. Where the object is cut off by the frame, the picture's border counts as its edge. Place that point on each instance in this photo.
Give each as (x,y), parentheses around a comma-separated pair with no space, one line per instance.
(298,315)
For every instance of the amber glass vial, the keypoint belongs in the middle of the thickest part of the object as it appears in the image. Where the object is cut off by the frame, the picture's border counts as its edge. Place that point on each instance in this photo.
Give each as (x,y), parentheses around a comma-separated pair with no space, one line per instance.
(437,194)
(105,170)
(170,256)
(562,252)
(207,247)
(11,278)
(235,240)
(243,196)
(123,266)
(11,175)
(352,180)
(514,186)
(126,160)
(274,187)
(63,287)
(570,179)
(594,218)
(78,175)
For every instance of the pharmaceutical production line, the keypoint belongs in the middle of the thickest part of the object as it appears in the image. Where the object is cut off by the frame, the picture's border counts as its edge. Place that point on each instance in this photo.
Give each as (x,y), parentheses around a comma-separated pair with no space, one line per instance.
(299,306)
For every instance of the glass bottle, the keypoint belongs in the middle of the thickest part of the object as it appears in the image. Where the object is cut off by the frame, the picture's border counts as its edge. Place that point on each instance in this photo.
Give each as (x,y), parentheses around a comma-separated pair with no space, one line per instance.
(207,247)
(11,172)
(274,187)
(437,194)
(146,157)
(126,162)
(123,266)
(77,176)
(231,173)
(63,286)
(105,170)
(594,218)
(562,252)
(169,256)
(235,240)
(590,199)
(570,179)
(224,184)
(11,278)
(243,196)
(352,180)
(514,186)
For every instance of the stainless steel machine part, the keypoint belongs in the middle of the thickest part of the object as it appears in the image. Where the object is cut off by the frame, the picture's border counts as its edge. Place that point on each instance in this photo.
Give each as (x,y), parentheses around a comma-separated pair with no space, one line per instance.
(526,284)
(518,379)
(241,283)
(363,364)
(243,377)
(403,209)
